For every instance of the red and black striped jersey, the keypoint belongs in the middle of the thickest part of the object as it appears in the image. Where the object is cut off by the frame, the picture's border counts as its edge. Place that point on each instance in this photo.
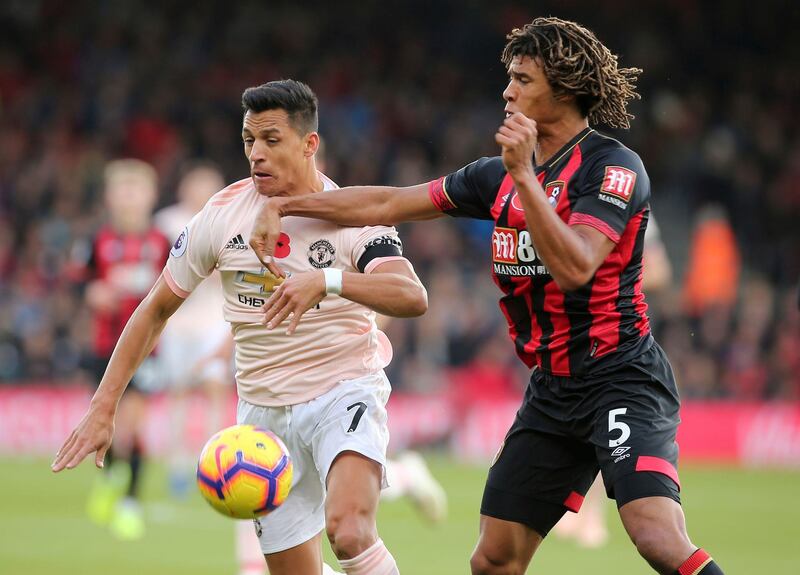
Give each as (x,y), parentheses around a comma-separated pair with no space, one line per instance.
(593,180)
(130,263)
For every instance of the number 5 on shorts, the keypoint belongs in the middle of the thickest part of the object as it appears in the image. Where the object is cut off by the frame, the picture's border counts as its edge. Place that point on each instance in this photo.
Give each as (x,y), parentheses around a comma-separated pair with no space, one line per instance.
(614,424)
(362,407)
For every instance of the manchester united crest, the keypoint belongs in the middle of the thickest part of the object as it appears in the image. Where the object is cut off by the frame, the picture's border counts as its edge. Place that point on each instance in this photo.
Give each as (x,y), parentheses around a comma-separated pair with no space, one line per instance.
(321,254)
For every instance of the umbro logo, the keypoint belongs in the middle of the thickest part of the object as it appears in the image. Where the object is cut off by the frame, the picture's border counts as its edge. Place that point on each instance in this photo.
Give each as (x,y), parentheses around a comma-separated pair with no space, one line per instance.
(619,451)
(237,243)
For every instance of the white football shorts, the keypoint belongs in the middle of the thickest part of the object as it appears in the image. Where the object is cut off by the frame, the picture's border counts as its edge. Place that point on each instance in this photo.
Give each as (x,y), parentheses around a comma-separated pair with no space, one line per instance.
(350,417)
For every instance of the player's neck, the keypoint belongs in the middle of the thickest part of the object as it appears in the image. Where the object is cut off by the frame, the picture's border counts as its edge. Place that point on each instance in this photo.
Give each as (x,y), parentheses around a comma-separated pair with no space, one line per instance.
(309,183)
(552,137)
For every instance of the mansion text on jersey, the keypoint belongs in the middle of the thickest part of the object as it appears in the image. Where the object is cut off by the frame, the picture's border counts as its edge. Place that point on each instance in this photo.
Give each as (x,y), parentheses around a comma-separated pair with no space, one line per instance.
(520,270)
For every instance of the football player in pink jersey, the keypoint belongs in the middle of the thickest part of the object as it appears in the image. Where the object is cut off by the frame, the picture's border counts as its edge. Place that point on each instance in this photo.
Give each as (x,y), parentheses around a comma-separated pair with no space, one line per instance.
(318,383)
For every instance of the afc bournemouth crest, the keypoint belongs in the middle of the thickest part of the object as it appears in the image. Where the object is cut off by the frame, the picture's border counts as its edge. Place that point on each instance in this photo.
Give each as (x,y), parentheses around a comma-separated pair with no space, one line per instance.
(553,190)
(321,254)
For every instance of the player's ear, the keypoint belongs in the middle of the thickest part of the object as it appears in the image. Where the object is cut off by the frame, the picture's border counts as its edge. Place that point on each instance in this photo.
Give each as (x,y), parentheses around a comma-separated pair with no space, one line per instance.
(311,144)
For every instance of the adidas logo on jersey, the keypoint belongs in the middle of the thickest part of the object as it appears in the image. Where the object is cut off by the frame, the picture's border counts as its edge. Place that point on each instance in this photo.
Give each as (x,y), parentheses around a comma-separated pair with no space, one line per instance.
(237,243)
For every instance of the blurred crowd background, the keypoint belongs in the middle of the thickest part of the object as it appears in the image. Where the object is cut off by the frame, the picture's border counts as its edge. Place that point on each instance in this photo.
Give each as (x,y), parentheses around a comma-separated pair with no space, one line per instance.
(410,91)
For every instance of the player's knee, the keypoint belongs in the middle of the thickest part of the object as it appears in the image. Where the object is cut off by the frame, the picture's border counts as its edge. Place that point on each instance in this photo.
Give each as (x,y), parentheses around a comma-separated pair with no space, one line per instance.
(482,563)
(350,532)
(660,545)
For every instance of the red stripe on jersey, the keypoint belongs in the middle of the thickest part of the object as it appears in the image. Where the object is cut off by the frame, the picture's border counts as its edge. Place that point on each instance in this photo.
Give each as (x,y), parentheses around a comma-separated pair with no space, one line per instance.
(553,296)
(658,465)
(635,226)
(596,223)
(604,331)
(574,501)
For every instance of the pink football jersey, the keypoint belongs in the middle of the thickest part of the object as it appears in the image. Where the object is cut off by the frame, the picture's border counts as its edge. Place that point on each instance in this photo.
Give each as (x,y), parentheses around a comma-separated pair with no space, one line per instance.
(337,340)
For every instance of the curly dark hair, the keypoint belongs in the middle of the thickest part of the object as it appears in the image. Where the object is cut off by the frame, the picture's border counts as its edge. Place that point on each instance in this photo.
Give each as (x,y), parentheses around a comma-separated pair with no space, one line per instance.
(575,62)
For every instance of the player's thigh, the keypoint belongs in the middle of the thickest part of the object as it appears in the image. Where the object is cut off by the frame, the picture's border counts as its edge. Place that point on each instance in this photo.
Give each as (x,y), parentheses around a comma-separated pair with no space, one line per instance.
(350,418)
(353,490)
(304,558)
(302,516)
(505,544)
(537,477)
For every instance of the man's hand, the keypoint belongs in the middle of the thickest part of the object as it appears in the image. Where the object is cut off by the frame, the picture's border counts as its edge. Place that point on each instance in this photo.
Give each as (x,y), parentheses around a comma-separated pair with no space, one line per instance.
(296,295)
(265,235)
(92,434)
(517,136)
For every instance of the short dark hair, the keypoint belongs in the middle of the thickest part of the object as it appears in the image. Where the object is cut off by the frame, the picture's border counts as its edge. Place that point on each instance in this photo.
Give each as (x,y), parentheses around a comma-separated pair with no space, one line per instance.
(296,98)
(575,62)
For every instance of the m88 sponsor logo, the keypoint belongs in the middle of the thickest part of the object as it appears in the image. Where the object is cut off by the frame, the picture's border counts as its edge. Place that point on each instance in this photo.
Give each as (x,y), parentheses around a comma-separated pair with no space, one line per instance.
(512,250)
(511,246)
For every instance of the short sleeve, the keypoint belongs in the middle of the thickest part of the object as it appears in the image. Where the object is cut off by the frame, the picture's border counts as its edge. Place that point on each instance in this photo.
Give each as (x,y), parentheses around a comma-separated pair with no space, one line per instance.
(192,257)
(374,244)
(471,191)
(615,188)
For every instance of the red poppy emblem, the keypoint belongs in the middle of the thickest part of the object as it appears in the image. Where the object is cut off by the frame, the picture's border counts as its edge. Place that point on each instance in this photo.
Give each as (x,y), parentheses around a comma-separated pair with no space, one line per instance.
(282,248)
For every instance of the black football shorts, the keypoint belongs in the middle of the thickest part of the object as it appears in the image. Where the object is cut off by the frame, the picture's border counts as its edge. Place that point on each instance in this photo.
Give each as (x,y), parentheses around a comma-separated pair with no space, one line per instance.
(621,421)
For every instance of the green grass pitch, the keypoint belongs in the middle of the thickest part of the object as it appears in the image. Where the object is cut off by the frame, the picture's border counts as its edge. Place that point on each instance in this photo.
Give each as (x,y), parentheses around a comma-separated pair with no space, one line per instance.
(749,520)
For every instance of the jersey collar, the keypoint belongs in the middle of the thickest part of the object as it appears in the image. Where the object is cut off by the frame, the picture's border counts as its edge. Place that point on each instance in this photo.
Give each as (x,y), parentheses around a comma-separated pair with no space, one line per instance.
(565,149)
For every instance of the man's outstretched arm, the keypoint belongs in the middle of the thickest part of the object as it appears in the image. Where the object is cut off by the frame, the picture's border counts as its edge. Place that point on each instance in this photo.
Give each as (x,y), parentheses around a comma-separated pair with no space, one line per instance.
(96,429)
(354,206)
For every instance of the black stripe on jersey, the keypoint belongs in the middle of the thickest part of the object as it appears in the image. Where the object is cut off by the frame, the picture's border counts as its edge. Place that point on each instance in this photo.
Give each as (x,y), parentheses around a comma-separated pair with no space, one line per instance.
(629,316)
(377,250)
(576,306)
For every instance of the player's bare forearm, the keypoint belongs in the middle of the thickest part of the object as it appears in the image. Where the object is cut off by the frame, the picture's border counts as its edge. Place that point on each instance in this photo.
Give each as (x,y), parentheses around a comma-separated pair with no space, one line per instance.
(389,294)
(363,205)
(94,432)
(567,251)
(356,206)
